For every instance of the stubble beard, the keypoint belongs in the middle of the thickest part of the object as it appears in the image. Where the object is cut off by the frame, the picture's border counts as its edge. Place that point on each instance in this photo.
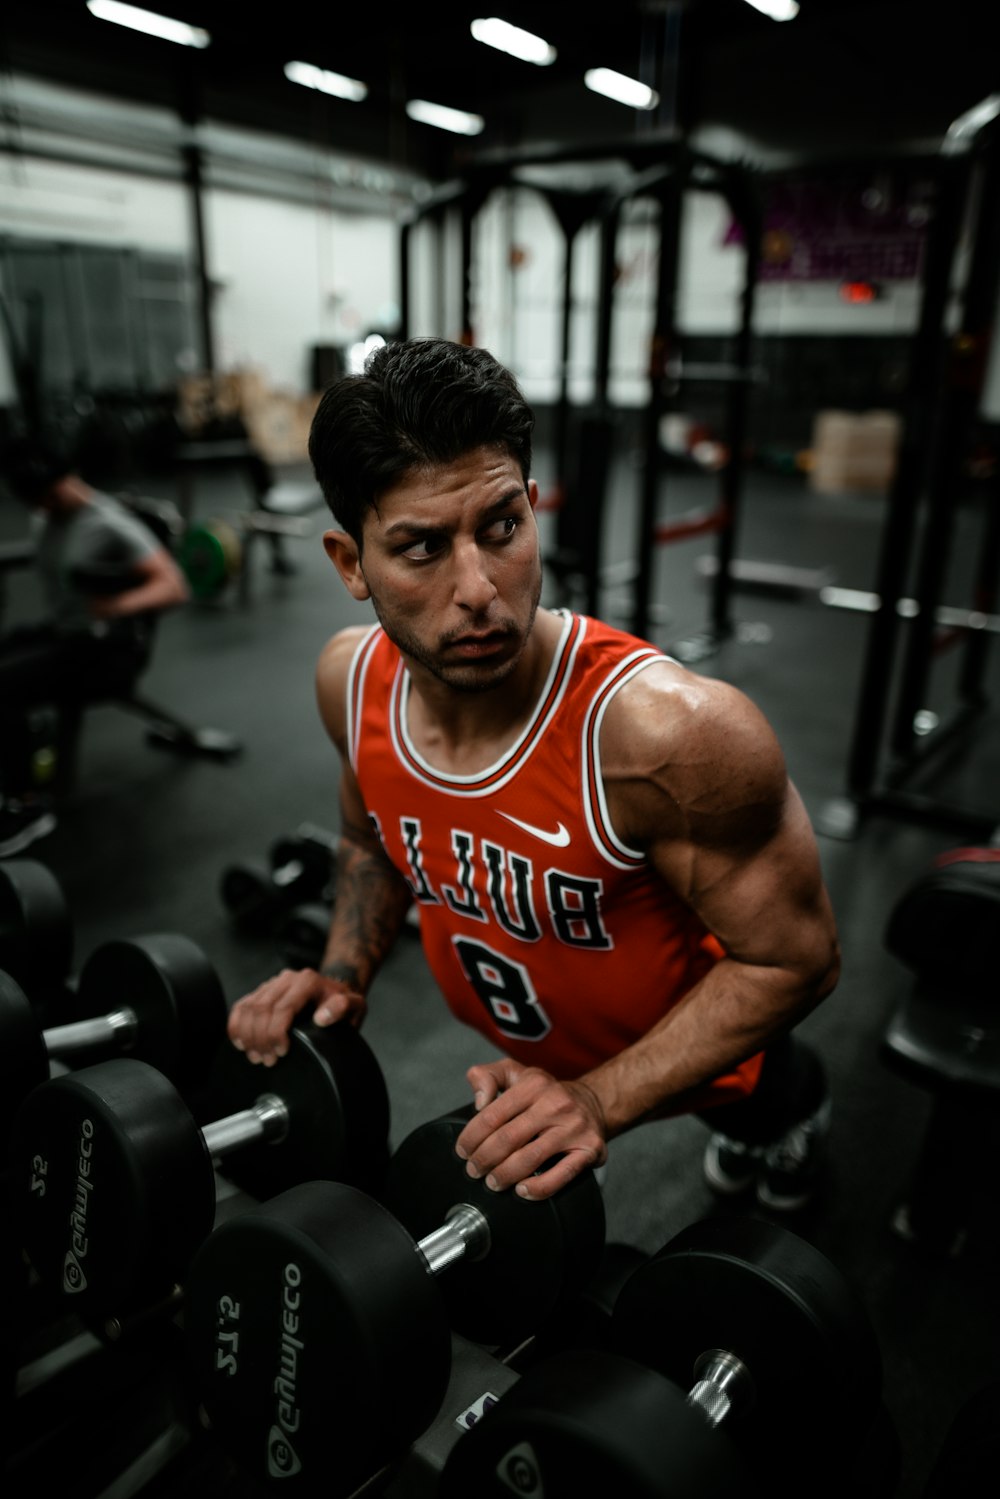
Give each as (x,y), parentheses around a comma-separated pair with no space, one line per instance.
(470,677)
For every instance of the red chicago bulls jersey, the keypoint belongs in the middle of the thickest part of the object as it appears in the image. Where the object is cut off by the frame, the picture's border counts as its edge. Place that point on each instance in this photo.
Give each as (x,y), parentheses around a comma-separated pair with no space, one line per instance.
(542,928)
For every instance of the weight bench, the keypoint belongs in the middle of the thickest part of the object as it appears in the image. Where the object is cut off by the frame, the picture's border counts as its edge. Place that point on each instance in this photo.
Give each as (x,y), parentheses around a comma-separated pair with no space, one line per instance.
(945,1038)
(166,730)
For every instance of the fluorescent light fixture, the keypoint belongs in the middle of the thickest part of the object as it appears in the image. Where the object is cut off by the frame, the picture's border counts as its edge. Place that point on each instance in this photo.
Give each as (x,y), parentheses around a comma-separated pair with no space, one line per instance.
(514,41)
(327,83)
(625,90)
(149,22)
(444,118)
(776,10)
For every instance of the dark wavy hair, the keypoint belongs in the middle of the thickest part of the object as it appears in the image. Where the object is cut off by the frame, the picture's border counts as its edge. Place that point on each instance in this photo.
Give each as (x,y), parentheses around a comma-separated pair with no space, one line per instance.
(419,401)
(29,466)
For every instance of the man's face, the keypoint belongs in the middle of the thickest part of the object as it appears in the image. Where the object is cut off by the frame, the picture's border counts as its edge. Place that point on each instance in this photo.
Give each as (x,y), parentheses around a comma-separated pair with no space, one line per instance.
(451,564)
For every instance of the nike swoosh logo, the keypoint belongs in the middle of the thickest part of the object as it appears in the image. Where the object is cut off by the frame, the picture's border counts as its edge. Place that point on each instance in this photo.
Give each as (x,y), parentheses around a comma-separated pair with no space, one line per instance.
(559,839)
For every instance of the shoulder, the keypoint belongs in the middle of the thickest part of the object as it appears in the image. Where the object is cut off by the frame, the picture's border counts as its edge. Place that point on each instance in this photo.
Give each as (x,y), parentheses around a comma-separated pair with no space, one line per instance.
(698,746)
(104,515)
(333,668)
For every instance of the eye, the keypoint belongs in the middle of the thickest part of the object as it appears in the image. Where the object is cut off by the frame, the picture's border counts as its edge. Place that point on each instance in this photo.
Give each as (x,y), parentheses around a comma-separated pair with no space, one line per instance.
(502,530)
(421,549)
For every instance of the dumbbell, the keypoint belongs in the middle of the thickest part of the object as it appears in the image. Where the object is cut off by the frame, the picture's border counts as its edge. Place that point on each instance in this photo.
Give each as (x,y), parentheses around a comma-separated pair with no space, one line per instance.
(319,1326)
(155,997)
(36,930)
(301,867)
(301,934)
(114,1174)
(740,1361)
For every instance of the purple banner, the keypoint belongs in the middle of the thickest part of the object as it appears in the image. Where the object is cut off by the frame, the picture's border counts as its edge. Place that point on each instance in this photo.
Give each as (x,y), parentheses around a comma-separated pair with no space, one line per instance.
(870,231)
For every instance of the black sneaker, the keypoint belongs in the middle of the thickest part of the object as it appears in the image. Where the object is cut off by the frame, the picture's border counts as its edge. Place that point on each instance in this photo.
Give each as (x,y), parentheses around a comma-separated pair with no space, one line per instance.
(21,823)
(792,1165)
(729,1165)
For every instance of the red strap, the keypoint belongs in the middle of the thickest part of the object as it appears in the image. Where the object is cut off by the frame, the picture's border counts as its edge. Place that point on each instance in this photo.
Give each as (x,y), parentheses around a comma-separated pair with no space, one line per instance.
(968,856)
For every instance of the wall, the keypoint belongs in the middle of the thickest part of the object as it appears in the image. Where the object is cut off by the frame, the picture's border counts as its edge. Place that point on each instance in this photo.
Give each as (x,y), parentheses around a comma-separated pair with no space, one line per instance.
(301,245)
(303,250)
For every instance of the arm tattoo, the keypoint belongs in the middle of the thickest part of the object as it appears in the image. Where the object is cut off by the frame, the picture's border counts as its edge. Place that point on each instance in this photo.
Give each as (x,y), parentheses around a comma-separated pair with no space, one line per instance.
(371,901)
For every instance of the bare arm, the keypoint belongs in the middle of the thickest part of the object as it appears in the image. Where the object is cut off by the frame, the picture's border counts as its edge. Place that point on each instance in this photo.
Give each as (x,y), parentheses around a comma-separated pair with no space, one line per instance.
(370,905)
(159,584)
(695,777)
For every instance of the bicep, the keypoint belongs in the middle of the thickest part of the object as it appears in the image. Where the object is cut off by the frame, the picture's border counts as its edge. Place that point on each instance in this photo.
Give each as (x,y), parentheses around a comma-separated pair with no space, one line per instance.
(725,828)
(763,897)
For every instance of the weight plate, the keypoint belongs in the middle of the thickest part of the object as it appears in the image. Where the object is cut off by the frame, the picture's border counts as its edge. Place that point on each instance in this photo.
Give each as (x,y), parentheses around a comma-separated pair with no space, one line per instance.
(36,930)
(176,995)
(338,1108)
(757,1290)
(112,1186)
(312,861)
(209,555)
(24,1060)
(247,892)
(318,1340)
(592,1422)
(541,1253)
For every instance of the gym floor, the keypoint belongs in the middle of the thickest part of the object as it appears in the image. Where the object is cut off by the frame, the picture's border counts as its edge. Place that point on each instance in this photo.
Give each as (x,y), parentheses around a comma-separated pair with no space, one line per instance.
(142,843)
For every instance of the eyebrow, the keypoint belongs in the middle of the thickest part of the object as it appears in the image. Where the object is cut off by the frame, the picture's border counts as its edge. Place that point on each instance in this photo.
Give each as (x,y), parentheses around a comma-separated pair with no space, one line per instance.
(423,528)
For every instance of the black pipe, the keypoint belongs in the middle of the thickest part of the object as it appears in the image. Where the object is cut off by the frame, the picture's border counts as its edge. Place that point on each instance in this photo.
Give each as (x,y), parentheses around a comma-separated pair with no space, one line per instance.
(669,195)
(964,376)
(916,443)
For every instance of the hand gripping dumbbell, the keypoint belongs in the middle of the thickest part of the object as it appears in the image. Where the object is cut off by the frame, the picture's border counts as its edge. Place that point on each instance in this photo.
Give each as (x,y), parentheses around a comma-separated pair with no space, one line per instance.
(740,1362)
(301,868)
(319,1325)
(36,929)
(114,1176)
(154,997)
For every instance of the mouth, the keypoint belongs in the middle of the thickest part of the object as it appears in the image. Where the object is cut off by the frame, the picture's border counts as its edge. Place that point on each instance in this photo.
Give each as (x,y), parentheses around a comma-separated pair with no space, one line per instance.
(473,646)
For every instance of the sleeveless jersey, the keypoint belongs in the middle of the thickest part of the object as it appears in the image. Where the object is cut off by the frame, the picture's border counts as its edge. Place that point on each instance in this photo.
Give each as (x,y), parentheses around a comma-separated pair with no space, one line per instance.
(543,930)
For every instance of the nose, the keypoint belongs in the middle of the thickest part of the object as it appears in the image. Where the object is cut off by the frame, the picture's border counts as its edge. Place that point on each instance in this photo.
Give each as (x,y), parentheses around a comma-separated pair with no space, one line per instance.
(474,589)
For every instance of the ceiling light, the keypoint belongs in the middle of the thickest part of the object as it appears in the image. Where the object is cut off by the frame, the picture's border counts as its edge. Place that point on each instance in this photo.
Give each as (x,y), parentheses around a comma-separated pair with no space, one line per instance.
(444,118)
(327,83)
(625,90)
(776,10)
(514,41)
(149,22)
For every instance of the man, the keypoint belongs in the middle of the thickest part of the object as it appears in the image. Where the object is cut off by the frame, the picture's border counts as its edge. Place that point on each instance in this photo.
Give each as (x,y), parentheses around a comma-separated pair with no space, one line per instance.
(104,574)
(617,884)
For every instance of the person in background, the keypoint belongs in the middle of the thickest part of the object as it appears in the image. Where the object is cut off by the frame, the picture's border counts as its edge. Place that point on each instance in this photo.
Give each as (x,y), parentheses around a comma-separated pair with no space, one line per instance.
(104,577)
(618,885)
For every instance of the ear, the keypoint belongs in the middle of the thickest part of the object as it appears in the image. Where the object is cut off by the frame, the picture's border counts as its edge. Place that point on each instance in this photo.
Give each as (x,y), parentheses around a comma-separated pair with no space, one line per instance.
(532,493)
(343,553)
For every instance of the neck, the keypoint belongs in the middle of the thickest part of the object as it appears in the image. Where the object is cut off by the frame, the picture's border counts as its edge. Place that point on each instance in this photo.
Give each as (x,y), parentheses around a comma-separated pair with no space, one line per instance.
(466,731)
(68,495)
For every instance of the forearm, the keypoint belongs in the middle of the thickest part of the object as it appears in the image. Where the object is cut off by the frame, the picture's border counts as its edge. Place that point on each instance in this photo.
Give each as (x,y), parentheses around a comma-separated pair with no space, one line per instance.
(150,596)
(369,910)
(730,1015)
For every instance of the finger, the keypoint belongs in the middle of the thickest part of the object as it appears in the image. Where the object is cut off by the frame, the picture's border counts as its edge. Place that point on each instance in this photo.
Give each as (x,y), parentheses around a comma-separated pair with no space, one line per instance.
(486,1080)
(506,1107)
(337,1006)
(538,1160)
(566,1168)
(261,1020)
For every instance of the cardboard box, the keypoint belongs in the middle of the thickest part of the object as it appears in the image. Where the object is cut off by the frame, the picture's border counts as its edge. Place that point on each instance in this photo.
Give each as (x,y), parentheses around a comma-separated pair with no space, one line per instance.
(854,451)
